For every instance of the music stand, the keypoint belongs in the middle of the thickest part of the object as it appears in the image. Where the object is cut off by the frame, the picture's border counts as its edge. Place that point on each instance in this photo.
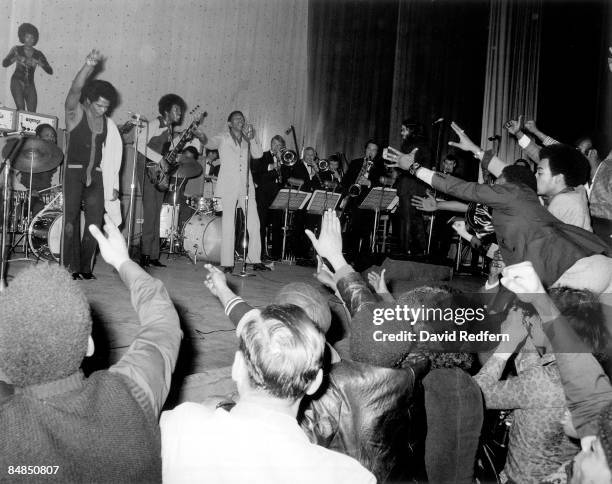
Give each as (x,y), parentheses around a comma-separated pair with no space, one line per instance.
(288,200)
(379,199)
(322,200)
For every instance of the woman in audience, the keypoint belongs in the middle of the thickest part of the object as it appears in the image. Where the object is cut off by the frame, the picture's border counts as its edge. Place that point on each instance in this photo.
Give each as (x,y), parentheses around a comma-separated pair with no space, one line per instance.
(538,444)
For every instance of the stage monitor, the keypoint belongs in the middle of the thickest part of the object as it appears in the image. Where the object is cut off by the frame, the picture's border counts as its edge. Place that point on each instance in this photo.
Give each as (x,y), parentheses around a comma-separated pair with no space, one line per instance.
(28,121)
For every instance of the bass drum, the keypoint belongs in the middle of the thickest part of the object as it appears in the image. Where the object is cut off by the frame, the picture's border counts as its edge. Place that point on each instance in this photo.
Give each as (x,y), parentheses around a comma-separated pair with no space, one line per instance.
(45,235)
(202,238)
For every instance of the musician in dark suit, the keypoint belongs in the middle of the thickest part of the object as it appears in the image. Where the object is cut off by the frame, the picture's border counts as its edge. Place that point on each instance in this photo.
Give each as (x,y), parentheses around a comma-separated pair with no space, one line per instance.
(269,175)
(363,174)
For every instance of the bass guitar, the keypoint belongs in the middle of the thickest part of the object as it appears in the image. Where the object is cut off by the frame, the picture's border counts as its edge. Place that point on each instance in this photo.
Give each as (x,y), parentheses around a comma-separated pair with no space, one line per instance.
(160,173)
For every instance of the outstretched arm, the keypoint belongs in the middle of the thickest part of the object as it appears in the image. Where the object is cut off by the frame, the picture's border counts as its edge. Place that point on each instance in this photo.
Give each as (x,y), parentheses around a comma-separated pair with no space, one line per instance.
(72,104)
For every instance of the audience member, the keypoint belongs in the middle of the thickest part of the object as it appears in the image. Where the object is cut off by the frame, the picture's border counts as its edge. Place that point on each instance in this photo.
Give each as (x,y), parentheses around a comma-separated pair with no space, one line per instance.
(278,362)
(100,427)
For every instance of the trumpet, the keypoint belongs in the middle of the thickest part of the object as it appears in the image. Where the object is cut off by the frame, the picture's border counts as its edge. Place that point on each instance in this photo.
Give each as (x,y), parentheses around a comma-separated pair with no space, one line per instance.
(288,157)
(323,165)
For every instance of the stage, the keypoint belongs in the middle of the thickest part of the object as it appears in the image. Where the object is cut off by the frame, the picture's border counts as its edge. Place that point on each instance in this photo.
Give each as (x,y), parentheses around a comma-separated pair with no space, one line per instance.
(209,341)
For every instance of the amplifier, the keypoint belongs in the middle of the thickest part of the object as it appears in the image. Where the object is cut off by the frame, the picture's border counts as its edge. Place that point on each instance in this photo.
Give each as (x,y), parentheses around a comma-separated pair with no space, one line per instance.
(8,119)
(28,121)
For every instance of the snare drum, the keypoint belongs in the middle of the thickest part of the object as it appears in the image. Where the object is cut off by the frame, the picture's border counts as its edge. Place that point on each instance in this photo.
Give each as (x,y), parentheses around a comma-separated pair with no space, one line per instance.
(202,237)
(168,221)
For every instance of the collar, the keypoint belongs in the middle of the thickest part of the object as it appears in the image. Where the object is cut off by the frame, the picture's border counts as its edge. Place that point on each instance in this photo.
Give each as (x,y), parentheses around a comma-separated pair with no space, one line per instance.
(237,140)
(284,422)
(56,387)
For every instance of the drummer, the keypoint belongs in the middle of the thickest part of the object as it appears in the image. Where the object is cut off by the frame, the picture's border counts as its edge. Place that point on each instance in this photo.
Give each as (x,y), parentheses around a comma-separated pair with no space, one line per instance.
(41,181)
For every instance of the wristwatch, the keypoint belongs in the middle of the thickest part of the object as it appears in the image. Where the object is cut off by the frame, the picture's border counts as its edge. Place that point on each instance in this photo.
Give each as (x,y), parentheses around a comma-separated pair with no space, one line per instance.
(413,168)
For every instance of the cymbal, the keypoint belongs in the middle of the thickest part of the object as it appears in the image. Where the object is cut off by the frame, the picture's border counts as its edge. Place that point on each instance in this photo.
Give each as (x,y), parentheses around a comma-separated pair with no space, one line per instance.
(188,169)
(35,152)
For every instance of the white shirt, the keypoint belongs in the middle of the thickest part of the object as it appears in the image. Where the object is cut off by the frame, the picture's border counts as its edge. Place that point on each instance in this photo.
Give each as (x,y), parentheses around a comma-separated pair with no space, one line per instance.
(249,444)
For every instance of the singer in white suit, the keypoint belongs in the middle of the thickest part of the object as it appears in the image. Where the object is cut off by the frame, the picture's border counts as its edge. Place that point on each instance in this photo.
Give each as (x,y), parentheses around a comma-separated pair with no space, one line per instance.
(233,146)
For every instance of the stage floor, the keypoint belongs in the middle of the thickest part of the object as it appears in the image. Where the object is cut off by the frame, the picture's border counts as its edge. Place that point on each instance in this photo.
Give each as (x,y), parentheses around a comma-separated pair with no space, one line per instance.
(209,341)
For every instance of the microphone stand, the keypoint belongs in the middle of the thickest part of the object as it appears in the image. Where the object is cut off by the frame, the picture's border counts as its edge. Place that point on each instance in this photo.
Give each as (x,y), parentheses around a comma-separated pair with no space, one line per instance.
(130,233)
(6,165)
(243,272)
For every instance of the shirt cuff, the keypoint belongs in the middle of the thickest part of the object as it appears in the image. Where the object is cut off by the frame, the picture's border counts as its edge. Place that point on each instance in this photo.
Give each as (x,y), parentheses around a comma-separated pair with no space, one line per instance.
(524,141)
(425,174)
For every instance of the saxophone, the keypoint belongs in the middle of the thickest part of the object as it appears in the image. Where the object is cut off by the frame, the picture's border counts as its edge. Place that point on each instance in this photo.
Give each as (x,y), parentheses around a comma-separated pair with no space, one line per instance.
(160,173)
(355,189)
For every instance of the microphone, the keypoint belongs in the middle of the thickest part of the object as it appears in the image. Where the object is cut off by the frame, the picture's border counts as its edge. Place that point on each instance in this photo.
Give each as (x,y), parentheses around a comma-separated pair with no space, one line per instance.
(288,130)
(495,137)
(439,120)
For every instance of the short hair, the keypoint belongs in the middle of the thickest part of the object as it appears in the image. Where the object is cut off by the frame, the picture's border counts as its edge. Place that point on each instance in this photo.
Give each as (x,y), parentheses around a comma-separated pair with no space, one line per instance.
(451,157)
(98,88)
(582,310)
(41,127)
(310,148)
(283,351)
(567,161)
(233,113)
(520,175)
(193,151)
(371,141)
(279,138)
(45,323)
(168,100)
(27,28)
(310,299)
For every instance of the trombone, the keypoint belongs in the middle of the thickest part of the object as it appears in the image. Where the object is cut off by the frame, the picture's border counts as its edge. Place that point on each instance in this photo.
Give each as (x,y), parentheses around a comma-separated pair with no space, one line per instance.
(288,157)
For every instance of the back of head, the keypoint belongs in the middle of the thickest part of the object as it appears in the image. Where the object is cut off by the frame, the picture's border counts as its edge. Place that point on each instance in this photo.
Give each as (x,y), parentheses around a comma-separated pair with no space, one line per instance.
(283,351)
(567,161)
(583,312)
(308,298)
(520,175)
(44,326)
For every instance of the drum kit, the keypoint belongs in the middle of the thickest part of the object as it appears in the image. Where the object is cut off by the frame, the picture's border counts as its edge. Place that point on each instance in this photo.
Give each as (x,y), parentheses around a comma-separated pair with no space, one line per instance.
(200,236)
(39,233)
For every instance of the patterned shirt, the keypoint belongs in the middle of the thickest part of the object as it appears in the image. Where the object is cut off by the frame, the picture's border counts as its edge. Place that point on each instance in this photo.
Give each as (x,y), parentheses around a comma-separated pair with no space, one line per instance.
(538,445)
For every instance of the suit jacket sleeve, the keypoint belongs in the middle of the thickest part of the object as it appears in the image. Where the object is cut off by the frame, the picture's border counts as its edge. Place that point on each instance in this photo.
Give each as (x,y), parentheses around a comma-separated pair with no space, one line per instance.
(496,196)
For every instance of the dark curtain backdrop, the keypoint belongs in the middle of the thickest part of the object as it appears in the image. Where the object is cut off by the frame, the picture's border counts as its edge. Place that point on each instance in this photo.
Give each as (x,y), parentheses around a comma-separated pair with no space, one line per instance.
(351,47)
(574,97)
(440,68)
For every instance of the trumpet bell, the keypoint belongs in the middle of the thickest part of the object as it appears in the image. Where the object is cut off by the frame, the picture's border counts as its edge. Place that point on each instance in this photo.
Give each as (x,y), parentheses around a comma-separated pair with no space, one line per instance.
(323,165)
(288,157)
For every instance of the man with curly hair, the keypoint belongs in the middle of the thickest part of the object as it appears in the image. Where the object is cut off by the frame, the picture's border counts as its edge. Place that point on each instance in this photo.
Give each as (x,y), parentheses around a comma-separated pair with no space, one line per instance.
(93,161)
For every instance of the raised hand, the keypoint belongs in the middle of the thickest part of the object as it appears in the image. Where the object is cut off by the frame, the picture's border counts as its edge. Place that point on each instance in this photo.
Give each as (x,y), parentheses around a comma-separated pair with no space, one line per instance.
(329,242)
(530,125)
(426,204)
(398,159)
(249,131)
(513,127)
(377,281)
(112,245)
(93,58)
(215,281)
(465,143)
(523,280)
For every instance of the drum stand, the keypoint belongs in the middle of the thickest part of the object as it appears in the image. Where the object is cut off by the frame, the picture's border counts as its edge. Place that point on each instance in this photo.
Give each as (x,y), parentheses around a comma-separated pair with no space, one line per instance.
(23,237)
(6,165)
(174,219)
